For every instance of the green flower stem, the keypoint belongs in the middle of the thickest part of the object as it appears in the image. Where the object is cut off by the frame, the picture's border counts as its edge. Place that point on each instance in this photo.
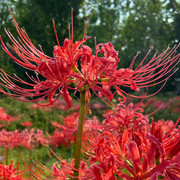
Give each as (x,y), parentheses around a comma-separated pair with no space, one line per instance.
(30,165)
(6,155)
(79,134)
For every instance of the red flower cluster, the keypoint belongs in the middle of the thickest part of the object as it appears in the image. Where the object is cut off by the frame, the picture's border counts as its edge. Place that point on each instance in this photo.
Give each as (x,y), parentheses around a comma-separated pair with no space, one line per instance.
(5,117)
(128,147)
(27,139)
(10,172)
(65,133)
(125,145)
(26,124)
(97,72)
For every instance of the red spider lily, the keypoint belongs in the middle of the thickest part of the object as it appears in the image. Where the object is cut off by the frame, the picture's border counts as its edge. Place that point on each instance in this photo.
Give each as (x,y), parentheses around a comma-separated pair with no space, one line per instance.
(27,124)
(169,139)
(110,155)
(102,71)
(165,149)
(129,161)
(161,105)
(41,106)
(5,117)
(65,133)
(59,104)
(147,170)
(138,153)
(98,73)
(175,104)
(2,125)
(9,139)
(76,107)
(28,139)
(124,117)
(98,106)
(57,71)
(10,172)
(64,170)
(163,153)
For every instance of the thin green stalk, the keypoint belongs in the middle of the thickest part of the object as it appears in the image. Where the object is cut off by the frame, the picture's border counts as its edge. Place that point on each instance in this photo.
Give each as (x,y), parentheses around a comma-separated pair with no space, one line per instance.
(79,134)
(30,165)
(6,155)
(25,151)
(63,151)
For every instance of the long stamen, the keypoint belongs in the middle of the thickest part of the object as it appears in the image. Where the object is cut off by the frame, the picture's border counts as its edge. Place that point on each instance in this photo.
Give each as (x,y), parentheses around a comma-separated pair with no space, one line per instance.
(85,28)
(95,46)
(132,63)
(69,29)
(56,33)
(72,24)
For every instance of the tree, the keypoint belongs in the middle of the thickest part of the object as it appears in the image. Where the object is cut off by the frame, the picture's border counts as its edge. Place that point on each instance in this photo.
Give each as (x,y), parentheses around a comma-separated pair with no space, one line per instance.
(37,16)
(134,26)
(5,21)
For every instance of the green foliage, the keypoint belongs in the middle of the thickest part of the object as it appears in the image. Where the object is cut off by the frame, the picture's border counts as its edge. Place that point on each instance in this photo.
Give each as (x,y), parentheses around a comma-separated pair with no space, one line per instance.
(41,119)
(37,16)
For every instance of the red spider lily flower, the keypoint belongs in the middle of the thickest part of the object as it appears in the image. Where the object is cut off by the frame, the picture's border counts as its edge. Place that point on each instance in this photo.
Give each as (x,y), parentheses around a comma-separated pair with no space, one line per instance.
(27,124)
(143,171)
(113,168)
(41,106)
(65,133)
(98,106)
(96,72)
(162,157)
(109,155)
(76,107)
(132,162)
(165,125)
(175,104)
(10,172)
(64,170)
(139,153)
(6,117)
(2,125)
(135,157)
(169,139)
(59,104)
(125,117)
(9,139)
(56,71)
(101,73)
(28,139)
(161,105)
